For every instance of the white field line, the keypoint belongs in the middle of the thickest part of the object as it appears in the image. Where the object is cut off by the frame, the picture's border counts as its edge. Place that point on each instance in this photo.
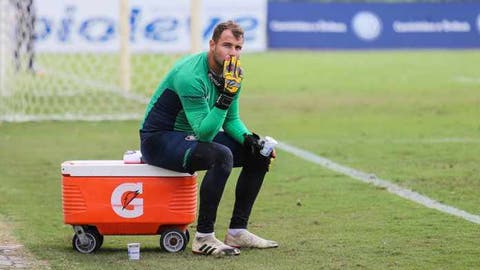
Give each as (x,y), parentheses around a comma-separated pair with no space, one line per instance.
(437,141)
(469,80)
(372,179)
(409,141)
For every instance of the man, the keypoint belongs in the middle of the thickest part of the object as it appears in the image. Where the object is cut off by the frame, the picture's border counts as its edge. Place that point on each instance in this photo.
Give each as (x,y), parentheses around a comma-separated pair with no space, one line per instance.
(181,131)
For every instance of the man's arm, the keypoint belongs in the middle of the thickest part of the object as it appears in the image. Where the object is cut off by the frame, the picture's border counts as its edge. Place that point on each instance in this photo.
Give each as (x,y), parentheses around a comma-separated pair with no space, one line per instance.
(205,123)
(233,125)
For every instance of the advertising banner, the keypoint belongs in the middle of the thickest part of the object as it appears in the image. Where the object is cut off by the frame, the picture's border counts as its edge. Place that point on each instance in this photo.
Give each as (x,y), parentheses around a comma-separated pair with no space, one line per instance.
(73,26)
(250,14)
(375,25)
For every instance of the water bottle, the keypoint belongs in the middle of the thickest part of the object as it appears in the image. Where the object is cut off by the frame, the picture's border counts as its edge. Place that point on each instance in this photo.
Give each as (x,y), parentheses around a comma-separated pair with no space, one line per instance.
(269,144)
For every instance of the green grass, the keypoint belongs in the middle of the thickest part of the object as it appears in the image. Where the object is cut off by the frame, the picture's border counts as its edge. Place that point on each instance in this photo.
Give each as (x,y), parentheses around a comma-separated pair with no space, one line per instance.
(402,115)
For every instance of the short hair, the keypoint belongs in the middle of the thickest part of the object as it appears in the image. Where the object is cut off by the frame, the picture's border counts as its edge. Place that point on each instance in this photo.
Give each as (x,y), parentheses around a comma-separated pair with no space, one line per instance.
(236,29)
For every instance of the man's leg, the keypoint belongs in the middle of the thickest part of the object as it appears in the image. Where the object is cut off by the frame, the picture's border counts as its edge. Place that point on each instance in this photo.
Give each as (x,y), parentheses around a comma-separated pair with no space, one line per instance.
(249,183)
(248,186)
(217,159)
(177,151)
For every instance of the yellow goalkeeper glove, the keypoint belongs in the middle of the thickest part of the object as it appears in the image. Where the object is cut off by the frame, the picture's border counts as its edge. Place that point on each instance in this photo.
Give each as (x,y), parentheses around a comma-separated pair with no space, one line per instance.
(233,74)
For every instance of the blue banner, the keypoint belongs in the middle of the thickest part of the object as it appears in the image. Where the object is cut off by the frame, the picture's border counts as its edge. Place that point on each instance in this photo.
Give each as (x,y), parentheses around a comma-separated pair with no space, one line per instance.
(363,26)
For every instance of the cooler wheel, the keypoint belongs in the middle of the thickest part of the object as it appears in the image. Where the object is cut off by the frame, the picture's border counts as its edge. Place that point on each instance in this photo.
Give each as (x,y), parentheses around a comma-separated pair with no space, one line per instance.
(173,240)
(94,241)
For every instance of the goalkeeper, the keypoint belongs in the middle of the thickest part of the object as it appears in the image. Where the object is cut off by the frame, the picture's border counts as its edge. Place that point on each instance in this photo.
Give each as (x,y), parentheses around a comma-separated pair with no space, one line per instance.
(181,131)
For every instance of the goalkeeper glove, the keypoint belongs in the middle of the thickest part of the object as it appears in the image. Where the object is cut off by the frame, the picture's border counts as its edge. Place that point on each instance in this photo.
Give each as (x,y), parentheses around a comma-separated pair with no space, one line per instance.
(253,145)
(233,75)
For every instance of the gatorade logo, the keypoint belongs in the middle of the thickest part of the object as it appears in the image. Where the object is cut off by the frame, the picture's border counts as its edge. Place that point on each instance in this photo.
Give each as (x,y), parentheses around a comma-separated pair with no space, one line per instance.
(125,201)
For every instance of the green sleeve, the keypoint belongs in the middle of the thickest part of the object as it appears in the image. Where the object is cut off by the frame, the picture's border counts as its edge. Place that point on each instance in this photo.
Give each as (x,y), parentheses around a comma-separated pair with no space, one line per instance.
(205,123)
(233,125)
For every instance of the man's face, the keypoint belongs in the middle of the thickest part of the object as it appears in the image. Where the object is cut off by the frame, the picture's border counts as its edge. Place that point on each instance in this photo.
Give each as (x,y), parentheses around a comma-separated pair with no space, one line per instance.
(227,45)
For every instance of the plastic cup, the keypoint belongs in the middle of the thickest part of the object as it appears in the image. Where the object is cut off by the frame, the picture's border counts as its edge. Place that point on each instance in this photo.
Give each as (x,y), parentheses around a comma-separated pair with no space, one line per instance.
(133,251)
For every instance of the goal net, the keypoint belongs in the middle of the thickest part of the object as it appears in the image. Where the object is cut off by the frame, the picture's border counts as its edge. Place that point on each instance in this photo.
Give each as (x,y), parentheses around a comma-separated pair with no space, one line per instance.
(85,60)
(101,60)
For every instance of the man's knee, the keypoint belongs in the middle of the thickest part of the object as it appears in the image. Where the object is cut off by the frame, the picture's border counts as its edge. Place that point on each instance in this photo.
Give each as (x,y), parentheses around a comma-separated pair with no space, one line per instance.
(257,161)
(208,155)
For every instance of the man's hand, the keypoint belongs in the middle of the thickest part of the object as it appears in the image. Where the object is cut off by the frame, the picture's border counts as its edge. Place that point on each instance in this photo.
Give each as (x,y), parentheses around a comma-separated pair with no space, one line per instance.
(233,74)
(252,143)
(254,158)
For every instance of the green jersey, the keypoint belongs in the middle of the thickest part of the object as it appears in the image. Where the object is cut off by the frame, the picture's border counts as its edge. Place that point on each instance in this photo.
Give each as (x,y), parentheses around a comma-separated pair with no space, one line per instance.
(185,101)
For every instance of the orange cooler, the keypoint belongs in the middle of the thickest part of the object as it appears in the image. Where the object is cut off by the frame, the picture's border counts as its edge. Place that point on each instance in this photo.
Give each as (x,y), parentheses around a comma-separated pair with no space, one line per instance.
(110,197)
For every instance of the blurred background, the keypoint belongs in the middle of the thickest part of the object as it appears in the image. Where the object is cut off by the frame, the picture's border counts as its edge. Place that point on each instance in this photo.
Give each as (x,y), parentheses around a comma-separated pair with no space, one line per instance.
(99,60)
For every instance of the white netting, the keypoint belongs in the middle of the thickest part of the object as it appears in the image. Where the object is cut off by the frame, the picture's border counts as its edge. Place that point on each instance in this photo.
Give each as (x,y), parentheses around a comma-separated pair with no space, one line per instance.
(50,84)
(84,66)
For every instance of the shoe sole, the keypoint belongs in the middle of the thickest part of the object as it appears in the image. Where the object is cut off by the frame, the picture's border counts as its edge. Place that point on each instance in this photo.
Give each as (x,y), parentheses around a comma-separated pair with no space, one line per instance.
(239,247)
(215,255)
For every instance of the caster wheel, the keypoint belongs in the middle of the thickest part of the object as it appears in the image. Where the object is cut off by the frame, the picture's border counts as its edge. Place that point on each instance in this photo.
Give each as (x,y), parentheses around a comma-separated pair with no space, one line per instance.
(100,240)
(187,234)
(94,241)
(173,240)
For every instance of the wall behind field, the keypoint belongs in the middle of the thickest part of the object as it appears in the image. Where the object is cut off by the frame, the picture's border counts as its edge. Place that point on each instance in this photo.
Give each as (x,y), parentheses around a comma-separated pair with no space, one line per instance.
(163,26)
(73,26)
(313,25)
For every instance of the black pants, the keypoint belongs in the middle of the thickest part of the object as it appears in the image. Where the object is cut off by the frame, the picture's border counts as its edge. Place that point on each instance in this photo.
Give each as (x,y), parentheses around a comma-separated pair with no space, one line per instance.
(177,151)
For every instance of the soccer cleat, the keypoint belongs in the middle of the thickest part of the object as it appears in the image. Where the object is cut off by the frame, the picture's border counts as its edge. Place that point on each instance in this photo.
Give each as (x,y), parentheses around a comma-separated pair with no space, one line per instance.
(210,245)
(246,239)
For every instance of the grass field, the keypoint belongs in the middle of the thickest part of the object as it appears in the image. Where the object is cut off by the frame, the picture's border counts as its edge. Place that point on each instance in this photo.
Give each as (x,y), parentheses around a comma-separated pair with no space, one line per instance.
(412,117)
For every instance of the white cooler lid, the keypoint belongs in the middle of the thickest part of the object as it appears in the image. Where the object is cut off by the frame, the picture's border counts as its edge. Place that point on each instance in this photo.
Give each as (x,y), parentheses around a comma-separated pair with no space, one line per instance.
(114,168)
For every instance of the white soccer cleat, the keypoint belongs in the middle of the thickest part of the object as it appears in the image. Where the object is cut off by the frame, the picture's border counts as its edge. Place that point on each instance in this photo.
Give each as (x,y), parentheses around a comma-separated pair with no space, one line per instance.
(246,239)
(210,245)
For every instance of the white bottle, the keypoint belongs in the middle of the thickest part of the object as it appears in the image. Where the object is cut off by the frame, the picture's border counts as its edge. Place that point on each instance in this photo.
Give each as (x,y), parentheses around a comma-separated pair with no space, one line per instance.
(269,144)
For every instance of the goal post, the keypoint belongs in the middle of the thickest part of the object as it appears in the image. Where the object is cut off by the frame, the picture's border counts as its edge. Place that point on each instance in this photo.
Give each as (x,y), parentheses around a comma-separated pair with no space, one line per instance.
(5,58)
(195,25)
(124,45)
(3,52)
